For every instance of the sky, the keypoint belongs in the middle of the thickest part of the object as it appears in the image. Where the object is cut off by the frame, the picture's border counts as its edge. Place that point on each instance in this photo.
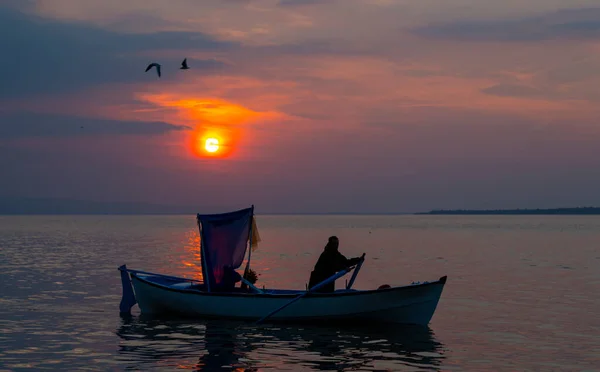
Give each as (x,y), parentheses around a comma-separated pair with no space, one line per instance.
(328,106)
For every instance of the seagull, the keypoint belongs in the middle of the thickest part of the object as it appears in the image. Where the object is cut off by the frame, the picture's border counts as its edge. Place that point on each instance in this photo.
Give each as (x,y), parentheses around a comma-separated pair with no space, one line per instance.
(184,65)
(154,64)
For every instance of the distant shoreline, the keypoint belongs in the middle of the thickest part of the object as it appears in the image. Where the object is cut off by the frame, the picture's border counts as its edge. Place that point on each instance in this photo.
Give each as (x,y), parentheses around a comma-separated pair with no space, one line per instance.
(549,211)
(14,206)
(52,213)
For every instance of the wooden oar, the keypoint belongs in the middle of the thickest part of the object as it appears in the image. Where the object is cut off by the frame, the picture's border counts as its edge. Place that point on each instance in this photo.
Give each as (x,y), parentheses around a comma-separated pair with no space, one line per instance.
(324,282)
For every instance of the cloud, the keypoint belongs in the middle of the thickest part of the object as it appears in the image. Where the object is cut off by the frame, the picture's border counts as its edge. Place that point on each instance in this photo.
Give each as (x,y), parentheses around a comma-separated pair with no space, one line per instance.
(34,125)
(302,2)
(571,24)
(319,46)
(43,56)
(512,90)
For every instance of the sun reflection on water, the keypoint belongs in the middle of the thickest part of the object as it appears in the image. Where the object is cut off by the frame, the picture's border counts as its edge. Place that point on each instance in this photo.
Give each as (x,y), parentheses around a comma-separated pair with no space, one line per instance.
(190,259)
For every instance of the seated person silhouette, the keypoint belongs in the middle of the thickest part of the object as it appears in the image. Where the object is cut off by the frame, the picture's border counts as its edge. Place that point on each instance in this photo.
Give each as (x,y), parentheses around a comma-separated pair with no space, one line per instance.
(228,281)
(330,262)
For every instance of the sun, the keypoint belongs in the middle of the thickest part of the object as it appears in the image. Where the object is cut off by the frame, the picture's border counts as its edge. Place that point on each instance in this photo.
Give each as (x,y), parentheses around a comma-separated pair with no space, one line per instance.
(215,144)
(211,145)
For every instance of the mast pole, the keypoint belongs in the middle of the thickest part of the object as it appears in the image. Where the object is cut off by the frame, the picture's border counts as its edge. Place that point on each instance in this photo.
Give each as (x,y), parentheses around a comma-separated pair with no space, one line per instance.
(205,278)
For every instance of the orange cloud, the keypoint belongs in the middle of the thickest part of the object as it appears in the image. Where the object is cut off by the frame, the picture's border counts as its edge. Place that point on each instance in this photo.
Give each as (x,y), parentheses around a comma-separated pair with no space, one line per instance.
(229,123)
(205,110)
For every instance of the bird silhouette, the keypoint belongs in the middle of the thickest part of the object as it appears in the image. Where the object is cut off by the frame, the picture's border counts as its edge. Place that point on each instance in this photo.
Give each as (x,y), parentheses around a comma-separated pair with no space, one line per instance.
(154,64)
(184,65)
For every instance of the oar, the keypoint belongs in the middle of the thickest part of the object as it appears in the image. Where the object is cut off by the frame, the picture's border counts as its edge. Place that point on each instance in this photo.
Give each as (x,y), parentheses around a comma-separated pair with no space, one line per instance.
(324,282)
(355,273)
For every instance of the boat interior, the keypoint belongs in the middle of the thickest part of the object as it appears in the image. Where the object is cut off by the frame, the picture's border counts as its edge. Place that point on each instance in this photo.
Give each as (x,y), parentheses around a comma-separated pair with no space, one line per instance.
(194,285)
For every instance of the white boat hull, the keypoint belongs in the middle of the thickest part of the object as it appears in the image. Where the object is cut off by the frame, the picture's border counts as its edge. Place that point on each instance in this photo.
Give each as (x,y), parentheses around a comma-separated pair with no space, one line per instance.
(412,304)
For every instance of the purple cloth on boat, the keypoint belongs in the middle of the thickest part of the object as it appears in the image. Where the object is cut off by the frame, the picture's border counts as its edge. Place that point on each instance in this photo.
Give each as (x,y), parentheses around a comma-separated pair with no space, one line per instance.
(223,244)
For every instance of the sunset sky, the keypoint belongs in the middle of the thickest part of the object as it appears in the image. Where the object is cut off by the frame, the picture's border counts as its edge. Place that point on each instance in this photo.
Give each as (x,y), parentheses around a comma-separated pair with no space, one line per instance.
(318,105)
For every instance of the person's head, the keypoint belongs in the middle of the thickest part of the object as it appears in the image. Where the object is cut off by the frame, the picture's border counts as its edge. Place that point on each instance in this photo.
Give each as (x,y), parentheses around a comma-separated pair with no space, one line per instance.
(333,243)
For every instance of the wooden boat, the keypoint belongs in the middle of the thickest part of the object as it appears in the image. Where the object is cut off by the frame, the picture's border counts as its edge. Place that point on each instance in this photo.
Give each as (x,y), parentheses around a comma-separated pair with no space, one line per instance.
(225,238)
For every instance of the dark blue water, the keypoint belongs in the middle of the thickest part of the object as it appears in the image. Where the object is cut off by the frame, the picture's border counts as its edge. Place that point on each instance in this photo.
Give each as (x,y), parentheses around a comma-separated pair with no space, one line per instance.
(522,294)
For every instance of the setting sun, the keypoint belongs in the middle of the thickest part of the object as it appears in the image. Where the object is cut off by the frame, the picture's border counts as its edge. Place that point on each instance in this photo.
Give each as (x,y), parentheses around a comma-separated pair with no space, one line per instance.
(211,145)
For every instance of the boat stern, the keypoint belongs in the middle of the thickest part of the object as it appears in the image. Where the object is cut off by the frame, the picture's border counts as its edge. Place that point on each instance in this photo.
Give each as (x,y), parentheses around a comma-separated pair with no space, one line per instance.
(128,299)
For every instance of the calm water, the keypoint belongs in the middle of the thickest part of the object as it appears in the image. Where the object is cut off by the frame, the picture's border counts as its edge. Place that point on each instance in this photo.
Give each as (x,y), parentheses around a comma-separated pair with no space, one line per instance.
(523,294)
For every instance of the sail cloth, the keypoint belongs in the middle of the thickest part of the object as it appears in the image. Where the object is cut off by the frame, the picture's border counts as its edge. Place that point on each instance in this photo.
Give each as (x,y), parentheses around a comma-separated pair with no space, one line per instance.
(224,239)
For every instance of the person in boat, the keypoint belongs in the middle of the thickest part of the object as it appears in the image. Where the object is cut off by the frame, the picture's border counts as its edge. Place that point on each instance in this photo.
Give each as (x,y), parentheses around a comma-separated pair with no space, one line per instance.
(229,280)
(330,262)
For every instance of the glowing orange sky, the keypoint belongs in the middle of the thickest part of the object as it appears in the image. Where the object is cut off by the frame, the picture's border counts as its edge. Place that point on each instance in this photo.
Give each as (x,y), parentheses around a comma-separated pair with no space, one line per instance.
(300,89)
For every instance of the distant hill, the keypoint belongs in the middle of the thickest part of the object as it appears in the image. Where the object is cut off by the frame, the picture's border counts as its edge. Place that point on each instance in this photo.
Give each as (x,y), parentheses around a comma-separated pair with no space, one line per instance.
(561,211)
(20,206)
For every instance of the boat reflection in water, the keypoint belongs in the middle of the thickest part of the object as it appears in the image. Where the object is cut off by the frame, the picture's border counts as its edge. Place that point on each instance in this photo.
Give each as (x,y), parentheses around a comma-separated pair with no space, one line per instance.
(148,343)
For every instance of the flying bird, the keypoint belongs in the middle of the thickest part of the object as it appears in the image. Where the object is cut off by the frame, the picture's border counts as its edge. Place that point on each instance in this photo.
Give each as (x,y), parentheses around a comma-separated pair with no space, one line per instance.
(154,64)
(184,65)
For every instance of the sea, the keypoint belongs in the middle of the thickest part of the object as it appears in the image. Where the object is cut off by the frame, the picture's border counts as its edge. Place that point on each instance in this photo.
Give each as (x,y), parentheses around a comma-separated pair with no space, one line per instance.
(523,294)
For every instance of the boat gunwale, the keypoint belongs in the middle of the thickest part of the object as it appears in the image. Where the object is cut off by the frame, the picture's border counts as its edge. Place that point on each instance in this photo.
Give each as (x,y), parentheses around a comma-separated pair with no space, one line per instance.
(441,281)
